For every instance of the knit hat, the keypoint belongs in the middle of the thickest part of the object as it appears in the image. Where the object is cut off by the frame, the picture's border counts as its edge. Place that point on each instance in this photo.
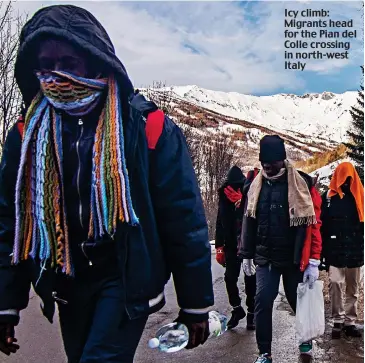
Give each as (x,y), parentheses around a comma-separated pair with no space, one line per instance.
(272,149)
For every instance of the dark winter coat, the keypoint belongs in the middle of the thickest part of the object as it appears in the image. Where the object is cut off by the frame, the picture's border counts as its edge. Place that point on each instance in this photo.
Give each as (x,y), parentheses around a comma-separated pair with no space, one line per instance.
(172,236)
(269,238)
(342,232)
(229,217)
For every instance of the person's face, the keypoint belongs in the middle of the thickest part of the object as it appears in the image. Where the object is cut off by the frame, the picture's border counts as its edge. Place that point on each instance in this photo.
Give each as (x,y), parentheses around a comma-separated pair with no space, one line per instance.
(272,168)
(58,55)
(346,185)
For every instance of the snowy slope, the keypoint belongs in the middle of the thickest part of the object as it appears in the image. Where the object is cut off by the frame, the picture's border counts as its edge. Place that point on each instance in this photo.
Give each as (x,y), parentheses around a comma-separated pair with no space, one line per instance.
(202,121)
(323,115)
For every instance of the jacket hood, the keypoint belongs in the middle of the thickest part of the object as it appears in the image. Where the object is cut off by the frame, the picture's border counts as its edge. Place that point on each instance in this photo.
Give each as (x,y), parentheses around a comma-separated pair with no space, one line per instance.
(234,177)
(73,24)
(343,171)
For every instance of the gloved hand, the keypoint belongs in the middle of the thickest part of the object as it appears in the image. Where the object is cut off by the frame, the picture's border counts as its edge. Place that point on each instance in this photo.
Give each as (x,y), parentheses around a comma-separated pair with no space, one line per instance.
(248,267)
(198,327)
(220,256)
(311,273)
(232,195)
(7,339)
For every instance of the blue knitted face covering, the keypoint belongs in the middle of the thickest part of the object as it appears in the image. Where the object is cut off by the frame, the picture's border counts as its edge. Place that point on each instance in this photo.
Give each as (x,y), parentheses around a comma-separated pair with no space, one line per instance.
(76,96)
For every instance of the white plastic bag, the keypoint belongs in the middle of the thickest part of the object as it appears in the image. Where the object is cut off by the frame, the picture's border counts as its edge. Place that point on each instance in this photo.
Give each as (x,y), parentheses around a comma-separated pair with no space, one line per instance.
(309,319)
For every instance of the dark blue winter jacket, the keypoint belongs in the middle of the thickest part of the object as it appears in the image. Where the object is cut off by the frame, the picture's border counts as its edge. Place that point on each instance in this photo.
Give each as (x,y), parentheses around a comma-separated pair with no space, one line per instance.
(172,236)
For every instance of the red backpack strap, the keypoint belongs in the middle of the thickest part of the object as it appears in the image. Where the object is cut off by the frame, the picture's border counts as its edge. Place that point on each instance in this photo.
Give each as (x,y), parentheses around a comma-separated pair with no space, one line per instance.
(251,175)
(154,127)
(20,125)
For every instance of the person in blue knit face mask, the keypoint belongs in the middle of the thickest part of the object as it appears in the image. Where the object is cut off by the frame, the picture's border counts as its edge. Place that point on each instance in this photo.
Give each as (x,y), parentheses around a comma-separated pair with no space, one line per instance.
(99,203)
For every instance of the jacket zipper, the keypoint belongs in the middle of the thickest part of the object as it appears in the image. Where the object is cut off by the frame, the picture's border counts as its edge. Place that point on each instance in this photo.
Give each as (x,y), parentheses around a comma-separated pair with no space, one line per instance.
(125,274)
(79,171)
(269,220)
(86,256)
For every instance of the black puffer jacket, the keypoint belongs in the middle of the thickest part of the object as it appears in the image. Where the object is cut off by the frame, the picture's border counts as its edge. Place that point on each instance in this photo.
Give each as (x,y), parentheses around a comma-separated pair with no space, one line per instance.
(342,232)
(269,238)
(229,218)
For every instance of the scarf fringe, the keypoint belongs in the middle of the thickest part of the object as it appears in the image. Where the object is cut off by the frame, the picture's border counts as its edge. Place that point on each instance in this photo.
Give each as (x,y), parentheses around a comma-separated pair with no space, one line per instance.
(41,222)
(251,214)
(295,222)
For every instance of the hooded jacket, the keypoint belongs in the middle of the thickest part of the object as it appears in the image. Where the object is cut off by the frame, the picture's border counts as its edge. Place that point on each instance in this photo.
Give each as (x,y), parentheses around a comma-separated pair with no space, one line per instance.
(172,237)
(342,215)
(228,216)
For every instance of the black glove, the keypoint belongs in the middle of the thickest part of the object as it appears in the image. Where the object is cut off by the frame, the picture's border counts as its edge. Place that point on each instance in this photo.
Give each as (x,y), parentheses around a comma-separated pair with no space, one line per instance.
(7,339)
(322,266)
(198,327)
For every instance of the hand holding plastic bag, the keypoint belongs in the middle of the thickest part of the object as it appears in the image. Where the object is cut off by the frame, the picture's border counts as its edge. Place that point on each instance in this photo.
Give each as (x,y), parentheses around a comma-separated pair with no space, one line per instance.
(309,320)
(248,267)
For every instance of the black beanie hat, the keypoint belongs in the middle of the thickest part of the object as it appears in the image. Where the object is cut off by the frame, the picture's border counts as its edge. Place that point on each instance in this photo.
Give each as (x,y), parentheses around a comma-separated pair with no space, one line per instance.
(272,149)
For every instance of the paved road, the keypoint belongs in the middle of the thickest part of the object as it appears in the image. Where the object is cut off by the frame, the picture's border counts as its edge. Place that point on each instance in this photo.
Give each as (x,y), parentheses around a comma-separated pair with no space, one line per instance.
(41,343)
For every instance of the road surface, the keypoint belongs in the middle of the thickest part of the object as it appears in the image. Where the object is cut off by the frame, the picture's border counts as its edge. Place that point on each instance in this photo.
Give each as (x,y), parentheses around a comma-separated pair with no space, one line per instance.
(40,341)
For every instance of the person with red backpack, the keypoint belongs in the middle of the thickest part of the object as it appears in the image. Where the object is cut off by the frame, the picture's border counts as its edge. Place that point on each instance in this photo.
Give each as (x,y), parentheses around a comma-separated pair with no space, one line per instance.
(229,220)
(99,202)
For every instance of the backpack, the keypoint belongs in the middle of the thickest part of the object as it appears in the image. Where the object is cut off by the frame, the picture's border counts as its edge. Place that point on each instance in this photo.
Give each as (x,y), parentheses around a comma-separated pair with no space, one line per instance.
(251,175)
(152,115)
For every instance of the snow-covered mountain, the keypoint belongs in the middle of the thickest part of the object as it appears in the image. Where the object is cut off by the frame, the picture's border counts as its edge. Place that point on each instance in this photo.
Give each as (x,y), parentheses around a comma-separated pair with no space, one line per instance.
(309,124)
(323,115)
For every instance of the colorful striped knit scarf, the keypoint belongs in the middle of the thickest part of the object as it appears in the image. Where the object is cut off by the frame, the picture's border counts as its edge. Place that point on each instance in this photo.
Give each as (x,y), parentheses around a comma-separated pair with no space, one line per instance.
(41,221)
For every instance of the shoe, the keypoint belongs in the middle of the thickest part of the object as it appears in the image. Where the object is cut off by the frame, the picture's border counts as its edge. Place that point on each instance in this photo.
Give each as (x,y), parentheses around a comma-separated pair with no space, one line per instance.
(237,314)
(336,330)
(306,348)
(251,321)
(264,358)
(352,331)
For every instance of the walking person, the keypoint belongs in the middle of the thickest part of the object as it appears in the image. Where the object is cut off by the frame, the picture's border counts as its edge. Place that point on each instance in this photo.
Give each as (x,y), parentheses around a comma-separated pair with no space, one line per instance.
(343,246)
(107,205)
(228,227)
(280,235)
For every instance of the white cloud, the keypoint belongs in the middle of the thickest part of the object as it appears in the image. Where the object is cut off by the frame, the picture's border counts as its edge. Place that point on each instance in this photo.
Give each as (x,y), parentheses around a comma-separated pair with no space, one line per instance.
(224,46)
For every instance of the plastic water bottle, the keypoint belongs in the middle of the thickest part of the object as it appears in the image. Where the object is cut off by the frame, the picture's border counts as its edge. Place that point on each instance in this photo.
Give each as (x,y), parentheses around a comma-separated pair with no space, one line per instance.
(175,336)
(170,338)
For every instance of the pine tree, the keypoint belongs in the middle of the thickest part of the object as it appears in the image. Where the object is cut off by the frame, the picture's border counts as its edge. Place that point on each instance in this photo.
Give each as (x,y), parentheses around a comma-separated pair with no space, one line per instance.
(356,132)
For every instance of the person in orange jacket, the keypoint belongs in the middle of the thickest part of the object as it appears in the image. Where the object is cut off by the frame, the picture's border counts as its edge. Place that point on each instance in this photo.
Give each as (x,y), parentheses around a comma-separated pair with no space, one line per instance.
(343,246)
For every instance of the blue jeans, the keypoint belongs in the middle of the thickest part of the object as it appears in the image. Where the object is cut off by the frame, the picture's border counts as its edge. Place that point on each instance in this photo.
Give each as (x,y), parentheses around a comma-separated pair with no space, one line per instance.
(94,325)
(267,289)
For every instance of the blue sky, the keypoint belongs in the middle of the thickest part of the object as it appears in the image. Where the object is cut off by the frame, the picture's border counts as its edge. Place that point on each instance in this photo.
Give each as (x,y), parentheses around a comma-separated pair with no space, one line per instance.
(227,46)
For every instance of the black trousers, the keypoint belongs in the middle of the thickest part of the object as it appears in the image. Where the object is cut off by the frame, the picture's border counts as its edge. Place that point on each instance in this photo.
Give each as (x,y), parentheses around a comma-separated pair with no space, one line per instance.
(94,325)
(233,269)
(268,280)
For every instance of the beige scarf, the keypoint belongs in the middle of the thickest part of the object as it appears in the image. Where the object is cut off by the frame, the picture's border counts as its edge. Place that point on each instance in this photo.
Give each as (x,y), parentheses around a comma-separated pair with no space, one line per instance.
(301,209)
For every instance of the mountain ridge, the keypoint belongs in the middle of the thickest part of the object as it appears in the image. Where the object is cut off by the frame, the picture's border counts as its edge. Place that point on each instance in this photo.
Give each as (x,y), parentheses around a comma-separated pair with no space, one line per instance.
(323,114)
(312,123)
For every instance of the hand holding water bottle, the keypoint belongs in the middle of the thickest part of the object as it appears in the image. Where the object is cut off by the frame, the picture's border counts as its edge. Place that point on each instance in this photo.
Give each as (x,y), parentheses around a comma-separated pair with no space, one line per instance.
(198,328)
(198,334)
(177,336)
